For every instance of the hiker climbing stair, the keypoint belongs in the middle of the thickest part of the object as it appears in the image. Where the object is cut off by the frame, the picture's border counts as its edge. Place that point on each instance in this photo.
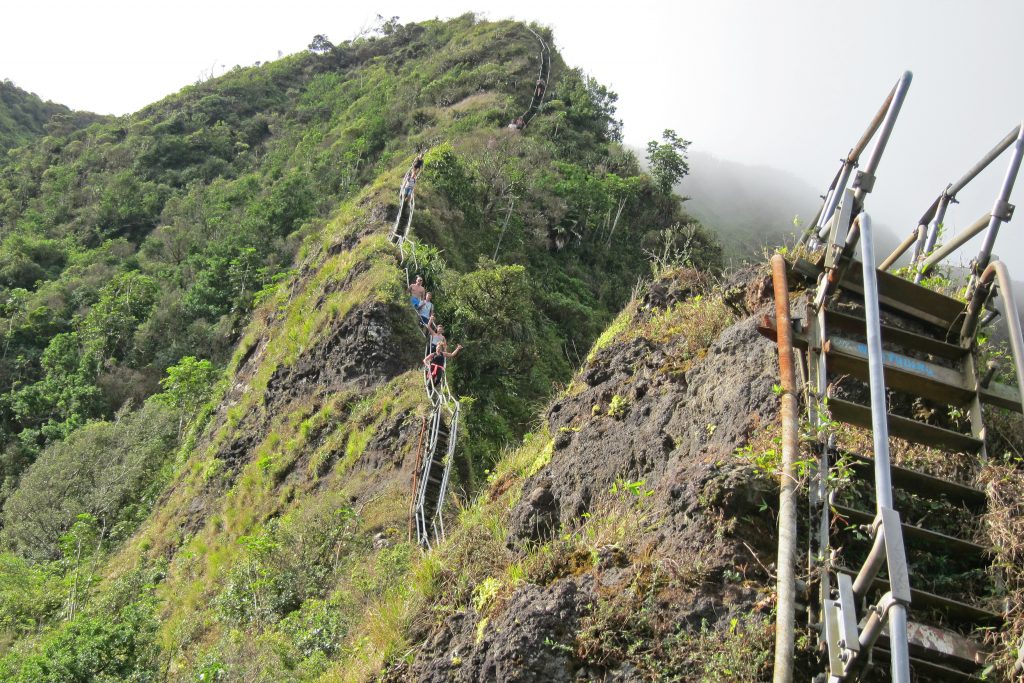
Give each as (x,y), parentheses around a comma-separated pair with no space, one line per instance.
(899,575)
(540,87)
(435,450)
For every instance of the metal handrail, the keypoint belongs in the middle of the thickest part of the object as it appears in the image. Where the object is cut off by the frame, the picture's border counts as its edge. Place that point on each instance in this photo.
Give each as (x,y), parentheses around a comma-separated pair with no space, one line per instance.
(888,539)
(882,123)
(925,254)
(438,393)
(1001,209)
(949,247)
(949,194)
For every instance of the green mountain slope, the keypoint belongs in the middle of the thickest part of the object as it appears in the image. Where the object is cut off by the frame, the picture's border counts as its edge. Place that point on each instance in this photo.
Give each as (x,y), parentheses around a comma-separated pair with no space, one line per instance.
(241,223)
(25,117)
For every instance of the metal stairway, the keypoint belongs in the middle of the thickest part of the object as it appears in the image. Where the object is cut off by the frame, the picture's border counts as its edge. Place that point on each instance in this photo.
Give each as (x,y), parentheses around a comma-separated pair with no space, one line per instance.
(892,595)
(433,468)
(544,74)
(435,450)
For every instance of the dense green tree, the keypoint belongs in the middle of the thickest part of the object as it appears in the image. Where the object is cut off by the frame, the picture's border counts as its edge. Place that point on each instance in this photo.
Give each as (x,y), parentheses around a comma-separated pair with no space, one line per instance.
(103,469)
(320,45)
(124,304)
(30,594)
(667,159)
(188,385)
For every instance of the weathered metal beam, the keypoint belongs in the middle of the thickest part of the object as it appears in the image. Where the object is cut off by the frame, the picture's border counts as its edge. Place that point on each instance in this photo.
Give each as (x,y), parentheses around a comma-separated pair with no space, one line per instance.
(905,428)
(895,335)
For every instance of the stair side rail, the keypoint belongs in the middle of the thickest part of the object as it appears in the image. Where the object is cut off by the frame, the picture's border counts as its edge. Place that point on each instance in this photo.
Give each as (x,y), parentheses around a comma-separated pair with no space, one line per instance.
(926,256)
(884,121)
(846,646)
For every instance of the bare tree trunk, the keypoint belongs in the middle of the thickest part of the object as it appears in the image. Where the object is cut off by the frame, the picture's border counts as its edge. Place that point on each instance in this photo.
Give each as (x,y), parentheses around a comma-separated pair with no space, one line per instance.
(622,205)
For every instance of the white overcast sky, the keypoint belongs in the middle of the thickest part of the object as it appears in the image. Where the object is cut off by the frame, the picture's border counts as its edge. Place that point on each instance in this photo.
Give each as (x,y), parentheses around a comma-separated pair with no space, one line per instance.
(783,83)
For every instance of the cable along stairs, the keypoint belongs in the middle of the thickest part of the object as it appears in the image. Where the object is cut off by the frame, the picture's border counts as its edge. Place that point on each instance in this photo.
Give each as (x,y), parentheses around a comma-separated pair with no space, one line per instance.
(893,555)
(435,449)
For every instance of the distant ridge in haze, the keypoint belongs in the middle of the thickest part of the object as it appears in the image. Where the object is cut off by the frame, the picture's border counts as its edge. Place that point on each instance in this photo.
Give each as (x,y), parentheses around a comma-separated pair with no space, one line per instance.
(748,207)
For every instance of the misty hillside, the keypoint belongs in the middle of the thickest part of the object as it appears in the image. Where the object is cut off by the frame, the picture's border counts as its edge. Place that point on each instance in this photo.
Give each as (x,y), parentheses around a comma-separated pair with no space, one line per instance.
(751,207)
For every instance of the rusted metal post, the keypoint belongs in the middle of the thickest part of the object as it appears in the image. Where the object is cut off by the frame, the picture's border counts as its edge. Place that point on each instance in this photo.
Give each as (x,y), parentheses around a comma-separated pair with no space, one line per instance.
(416,475)
(785,621)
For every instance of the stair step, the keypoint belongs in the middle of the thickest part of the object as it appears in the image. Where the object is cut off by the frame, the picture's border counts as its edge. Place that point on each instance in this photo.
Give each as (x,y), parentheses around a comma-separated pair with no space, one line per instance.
(905,428)
(924,485)
(924,669)
(962,611)
(849,357)
(897,294)
(851,323)
(939,645)
(917,533)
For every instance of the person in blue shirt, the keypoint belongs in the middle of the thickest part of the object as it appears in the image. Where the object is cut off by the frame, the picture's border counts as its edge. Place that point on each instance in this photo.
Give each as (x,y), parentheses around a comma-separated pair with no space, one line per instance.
(426,309)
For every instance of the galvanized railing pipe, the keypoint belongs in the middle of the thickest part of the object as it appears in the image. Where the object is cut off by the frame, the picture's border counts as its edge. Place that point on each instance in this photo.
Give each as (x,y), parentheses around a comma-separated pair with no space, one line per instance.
(832,200)
(1001,206)
(866,179)
(982,164)
(872,565)
(934,226)
(949,194)
(876,121)
(785,619)
(900,661)
(884,118)
(892,112)
(876,374)
(911,239)
(920,248)
(958,241)
(814,226)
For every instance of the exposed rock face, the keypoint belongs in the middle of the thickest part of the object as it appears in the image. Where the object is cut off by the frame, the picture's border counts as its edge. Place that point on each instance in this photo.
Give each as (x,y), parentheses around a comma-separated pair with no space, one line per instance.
(513,646)
(675,431)
(372,344)
(368,346)
(679,433)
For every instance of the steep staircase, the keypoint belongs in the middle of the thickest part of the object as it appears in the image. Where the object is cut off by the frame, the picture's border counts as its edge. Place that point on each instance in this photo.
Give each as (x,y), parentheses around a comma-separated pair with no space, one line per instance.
(900,580)
(544,74)
(435,449)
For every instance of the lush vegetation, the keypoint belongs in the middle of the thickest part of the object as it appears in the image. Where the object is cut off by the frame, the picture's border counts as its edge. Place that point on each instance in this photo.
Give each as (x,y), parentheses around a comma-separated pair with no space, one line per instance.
(143,259)
(25,117)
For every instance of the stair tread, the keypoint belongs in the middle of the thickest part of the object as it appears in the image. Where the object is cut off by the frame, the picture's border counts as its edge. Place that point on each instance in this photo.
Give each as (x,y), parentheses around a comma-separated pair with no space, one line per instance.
(934,670)
(903,373)
(905,428)
(939,645)
(924,484)
(895,293)
(930,345)
(915,533)
(956,608)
